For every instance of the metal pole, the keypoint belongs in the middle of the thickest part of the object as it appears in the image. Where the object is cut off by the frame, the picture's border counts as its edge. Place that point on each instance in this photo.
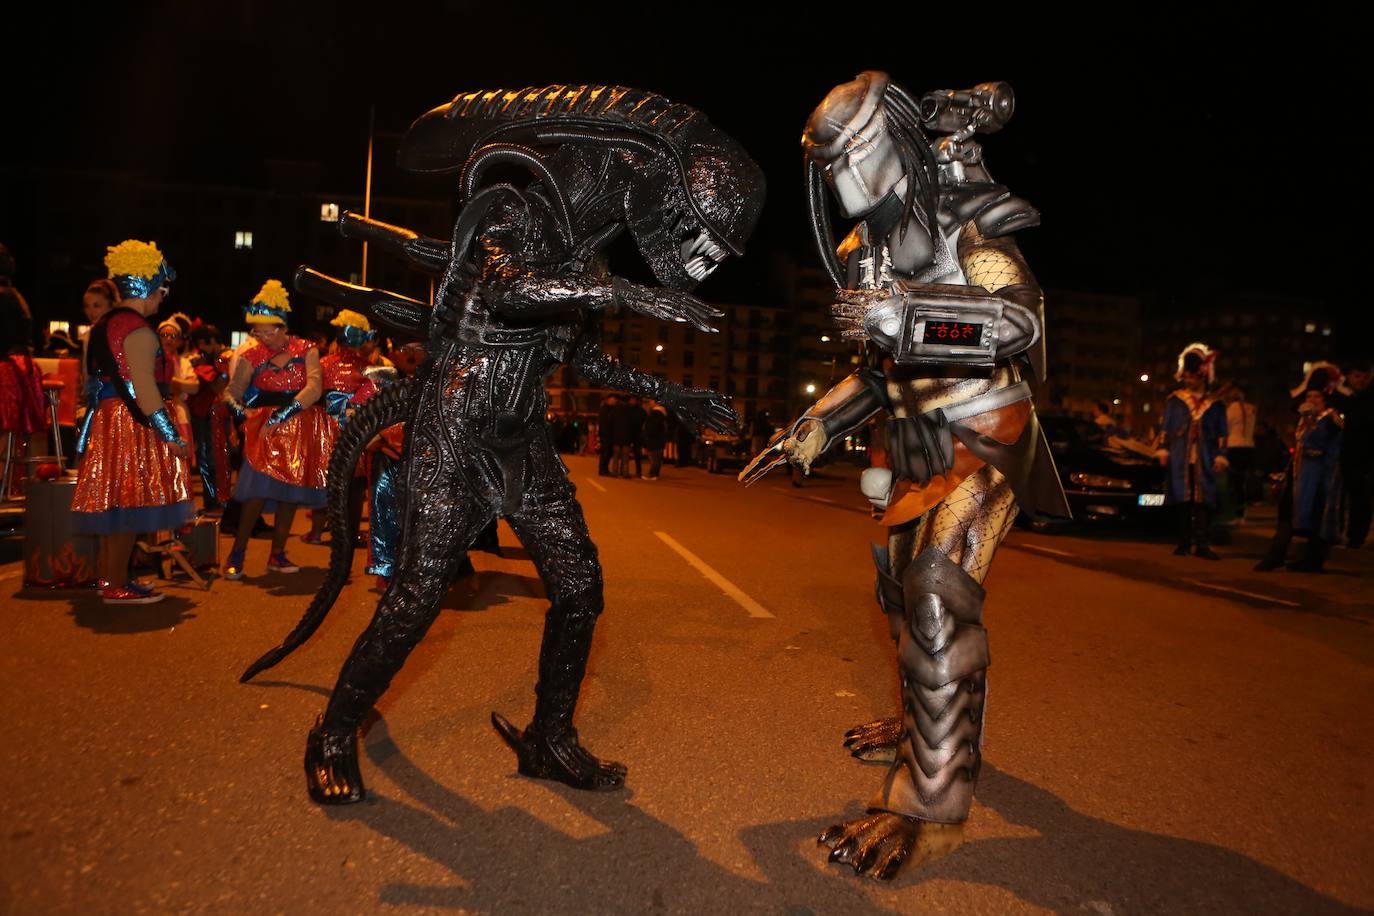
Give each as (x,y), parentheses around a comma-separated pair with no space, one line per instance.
(367,190)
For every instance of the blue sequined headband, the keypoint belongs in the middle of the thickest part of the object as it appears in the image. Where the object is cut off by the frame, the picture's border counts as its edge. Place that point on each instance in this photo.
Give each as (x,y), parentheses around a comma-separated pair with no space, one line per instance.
(262,313)
(134,287)
(352,336)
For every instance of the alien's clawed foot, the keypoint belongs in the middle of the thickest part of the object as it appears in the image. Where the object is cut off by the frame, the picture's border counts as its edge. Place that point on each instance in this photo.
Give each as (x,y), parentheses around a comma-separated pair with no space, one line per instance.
(559,757)
(331,767)
(876,741)
(879,843)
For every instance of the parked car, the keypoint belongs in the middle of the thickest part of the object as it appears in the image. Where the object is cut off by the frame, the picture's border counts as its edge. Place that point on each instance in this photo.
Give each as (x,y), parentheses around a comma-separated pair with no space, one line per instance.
(719,453)
(1106,477)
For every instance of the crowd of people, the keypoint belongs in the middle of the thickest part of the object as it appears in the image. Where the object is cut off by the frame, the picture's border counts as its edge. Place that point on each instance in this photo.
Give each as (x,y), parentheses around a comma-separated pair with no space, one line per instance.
(629,431)
(1217,453)
(167,403)
(256,424)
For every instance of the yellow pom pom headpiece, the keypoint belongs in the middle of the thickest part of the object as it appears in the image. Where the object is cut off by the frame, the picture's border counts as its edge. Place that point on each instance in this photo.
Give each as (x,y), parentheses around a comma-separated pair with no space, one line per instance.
(138,268)
(270,306)
(354,328)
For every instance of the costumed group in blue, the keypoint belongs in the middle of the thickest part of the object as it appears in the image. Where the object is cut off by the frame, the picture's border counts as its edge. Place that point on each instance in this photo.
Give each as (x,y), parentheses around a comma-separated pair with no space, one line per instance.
(1193,437)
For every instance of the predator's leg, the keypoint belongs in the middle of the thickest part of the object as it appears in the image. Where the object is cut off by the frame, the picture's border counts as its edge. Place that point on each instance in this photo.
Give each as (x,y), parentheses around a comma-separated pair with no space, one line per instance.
(933,596)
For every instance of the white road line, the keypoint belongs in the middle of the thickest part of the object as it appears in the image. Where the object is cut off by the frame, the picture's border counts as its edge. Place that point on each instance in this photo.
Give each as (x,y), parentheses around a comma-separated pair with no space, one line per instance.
(595,484)
(1049,550)
(734,591)
(1236,591)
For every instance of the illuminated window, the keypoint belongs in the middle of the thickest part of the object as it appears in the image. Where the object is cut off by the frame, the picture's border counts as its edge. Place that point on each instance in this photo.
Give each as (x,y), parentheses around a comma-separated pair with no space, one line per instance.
(243,241)
(236,338)
(1310,327)
(55,326)
(329,213)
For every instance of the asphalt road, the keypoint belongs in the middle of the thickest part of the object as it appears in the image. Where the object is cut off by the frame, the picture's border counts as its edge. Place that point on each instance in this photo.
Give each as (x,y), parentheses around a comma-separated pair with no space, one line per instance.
(1165,734)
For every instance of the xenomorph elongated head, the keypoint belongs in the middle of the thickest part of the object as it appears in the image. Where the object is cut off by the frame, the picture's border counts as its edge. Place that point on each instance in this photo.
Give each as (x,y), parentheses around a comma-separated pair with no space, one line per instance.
(690,193)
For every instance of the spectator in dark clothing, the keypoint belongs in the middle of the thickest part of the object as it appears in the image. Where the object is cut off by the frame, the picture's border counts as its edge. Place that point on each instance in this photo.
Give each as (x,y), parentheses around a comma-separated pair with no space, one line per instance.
(655,437)
(621,421)
(684,434)
(605,432)
(636,434)
(1357,455)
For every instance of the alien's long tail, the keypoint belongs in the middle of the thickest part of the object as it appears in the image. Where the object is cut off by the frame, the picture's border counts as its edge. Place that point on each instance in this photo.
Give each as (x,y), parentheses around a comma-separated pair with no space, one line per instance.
(391,406)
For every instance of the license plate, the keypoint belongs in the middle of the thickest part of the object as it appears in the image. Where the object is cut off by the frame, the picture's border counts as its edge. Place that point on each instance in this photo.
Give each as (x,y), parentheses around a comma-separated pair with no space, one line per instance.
(1150,499)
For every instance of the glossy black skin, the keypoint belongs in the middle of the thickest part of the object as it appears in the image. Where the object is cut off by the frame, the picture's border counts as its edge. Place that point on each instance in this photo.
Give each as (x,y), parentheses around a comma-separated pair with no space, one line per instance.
(520,288)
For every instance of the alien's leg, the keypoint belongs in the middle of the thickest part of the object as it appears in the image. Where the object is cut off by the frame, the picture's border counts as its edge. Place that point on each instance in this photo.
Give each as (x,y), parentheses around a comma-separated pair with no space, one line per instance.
(552,528)
(436,532)
(942,652)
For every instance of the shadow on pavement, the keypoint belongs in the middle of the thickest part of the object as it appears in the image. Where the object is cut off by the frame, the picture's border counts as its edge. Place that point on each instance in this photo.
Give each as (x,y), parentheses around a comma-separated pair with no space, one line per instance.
(289,585)
(490,588)
(506,859)
(1080,861)
(116,620)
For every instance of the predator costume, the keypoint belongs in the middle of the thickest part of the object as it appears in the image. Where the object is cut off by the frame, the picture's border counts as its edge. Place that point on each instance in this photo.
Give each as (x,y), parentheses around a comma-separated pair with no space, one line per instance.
(932,281)
(521,281)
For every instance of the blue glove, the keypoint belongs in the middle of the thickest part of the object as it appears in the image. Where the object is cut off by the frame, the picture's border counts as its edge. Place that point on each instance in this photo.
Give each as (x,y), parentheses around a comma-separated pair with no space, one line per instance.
(167,431)
(282,414)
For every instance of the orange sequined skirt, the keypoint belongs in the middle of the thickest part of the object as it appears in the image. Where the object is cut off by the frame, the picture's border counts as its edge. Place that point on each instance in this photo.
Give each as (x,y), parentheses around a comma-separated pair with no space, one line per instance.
(288,462)
(130,480)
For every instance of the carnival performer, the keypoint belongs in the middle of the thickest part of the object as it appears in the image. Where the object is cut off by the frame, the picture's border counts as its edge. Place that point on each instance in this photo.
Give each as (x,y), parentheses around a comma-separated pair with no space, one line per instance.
(1193,447)
(933,282)
(1309,502)
(275,385)
(23,409)
(346,386)
(211,421)
(135,474)
(172,332)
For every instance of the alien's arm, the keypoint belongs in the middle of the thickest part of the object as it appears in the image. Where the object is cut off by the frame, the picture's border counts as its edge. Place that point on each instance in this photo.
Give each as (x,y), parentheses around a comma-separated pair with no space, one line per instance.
(524,294)
(421,252)
(595,366)
(703,406)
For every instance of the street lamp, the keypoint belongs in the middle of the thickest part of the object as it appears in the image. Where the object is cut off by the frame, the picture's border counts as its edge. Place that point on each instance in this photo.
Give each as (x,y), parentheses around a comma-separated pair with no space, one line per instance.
(825,338)
(1144,376)
(810,388)
(658,348)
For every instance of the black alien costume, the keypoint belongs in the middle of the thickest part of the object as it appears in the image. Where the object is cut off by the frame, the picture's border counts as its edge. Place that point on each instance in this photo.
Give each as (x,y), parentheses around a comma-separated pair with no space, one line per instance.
(520,283)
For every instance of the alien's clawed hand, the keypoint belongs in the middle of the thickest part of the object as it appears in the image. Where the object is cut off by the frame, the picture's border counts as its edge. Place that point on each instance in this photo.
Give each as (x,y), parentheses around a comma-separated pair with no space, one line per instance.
(665,304)
(704,408)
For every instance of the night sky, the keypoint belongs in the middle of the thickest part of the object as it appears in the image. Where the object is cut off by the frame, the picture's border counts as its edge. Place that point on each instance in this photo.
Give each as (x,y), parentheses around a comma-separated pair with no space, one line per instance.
(1178,160)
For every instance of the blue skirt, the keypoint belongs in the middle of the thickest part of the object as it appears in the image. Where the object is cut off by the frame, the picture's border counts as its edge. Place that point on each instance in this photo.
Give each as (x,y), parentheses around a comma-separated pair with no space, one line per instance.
(256,485)
(134,518)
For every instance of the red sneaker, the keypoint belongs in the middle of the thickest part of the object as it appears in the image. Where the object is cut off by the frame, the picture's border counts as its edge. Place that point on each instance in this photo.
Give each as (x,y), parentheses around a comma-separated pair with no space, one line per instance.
(280,563)
(130,592)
